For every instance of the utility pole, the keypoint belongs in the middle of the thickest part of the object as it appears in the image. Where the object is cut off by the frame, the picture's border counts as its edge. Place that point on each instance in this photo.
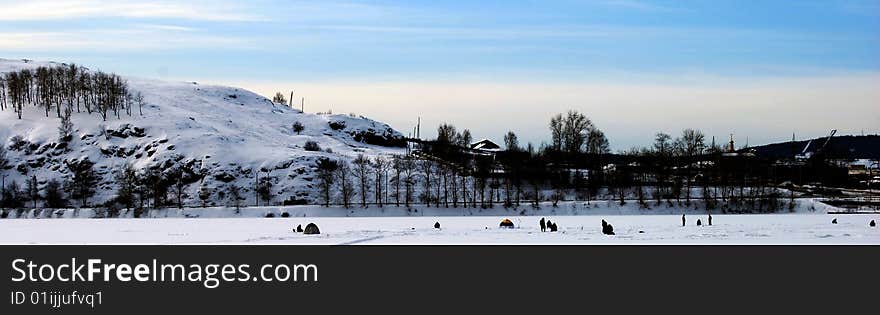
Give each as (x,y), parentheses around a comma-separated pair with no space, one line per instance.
(290,102)
(303,105)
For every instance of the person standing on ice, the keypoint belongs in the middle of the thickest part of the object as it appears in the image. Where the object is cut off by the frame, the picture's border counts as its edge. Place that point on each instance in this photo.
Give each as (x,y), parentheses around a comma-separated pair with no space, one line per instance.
(682,219)
(710,219)
(543,225)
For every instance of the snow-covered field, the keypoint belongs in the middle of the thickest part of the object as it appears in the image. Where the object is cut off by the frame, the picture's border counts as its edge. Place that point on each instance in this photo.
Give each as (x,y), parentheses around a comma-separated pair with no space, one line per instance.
(658,229)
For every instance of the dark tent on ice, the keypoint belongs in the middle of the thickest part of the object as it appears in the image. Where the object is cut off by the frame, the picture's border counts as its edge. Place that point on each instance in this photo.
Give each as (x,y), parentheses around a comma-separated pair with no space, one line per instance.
(506,223)
(312,228)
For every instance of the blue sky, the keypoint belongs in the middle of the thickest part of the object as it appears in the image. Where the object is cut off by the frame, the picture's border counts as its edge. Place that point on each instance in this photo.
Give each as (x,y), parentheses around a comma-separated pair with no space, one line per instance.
(324,49)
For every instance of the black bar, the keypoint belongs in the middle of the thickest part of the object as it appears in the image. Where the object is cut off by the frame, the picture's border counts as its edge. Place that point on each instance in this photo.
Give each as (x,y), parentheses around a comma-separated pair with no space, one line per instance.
(471,279)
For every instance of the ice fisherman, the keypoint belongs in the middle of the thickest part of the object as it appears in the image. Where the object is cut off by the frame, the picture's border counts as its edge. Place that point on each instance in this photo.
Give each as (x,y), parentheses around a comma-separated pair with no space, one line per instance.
(710,219)
(682,219)
(543,225)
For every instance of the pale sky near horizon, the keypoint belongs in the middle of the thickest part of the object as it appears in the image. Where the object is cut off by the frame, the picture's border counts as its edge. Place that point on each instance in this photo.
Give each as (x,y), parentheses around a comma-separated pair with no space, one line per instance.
(761,70)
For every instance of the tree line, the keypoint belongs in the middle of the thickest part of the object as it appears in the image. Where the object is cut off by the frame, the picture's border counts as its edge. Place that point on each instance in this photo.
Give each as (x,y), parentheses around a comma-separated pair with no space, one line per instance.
(446,172)
(63,89)
(576,164)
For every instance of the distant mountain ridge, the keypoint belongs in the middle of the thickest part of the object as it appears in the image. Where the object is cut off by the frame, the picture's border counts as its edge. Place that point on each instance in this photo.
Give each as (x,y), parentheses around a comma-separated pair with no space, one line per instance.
(846,147)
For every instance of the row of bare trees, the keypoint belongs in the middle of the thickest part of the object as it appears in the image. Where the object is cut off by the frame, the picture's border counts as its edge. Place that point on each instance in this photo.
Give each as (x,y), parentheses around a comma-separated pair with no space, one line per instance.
(63,89)
(401,180)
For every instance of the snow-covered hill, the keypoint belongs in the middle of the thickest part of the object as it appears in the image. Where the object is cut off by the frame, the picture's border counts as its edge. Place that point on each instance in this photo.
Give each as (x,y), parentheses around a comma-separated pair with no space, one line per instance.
(227,134)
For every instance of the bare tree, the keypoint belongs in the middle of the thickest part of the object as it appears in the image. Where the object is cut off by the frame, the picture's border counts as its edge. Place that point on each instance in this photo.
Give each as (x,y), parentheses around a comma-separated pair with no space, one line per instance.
(264,188)
(204,194)
(408,165)
(380,173)
(126,181)
(52,195)
(4,161)
(575,128)
(139,100)
(65,128)
(397,165)
(446,134)
(557,132)
(176,177)
(33,190)
(279,98)
(83,180)
(346,188)
(690,144)
(362,173)
(597,143)
(427,168)
(326,177)
(235,197)
(465,139)
(511,142)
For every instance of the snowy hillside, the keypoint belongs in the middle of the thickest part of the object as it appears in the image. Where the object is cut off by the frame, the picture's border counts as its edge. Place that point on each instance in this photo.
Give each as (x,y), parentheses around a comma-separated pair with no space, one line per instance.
(219,136)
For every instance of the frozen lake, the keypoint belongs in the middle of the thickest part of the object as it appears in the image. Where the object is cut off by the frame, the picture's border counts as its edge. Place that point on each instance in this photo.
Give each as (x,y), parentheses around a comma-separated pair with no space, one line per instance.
(657,229)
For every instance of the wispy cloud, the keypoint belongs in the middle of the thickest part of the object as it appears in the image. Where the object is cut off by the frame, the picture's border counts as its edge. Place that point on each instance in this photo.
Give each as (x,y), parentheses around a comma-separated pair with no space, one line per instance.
(572,32)
(167,27)
(155,38)
(36,10)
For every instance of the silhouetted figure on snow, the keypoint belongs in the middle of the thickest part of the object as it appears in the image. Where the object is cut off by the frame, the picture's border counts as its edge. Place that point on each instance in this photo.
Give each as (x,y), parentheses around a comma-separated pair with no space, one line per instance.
(553,227)
(299,228)
(436,225)
(872,223)
(834,221)
(699,223)
(543,225)
(682,220)
(607,229)
(710,219)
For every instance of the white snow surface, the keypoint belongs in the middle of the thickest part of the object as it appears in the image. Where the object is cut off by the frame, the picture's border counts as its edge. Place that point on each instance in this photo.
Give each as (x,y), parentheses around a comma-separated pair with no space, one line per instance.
(810,223)
(658,229)
(215,129)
